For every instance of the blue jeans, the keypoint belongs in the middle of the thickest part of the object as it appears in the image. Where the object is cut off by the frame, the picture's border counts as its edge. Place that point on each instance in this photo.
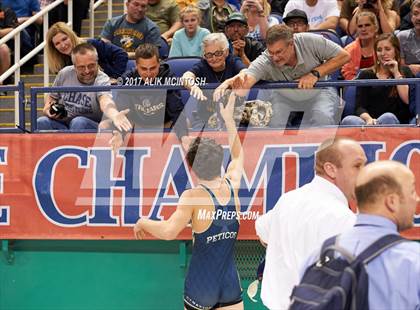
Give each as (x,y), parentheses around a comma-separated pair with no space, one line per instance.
(319,106)
(385,119)
(78,123)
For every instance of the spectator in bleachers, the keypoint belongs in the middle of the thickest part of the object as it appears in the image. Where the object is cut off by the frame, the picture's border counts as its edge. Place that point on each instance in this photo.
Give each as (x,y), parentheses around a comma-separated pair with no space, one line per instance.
(277,6)
(410,40)
(59,13)
(303,57)
(361,50)
(257,13)
(385,10)
(216,66)
(405,15)
(297,20)
(24,9)
(61,40)
(322,14)
(132,29)
(154,108)
(246,48)
(165,13)
(378,105)
(184,3)
(81,110)
(215,13)
(187,40)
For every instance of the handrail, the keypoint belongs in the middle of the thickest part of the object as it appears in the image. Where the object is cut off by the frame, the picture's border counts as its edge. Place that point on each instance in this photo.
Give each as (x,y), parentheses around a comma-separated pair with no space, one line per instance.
(360,83)
(92,7)
(20,88)
(15,68)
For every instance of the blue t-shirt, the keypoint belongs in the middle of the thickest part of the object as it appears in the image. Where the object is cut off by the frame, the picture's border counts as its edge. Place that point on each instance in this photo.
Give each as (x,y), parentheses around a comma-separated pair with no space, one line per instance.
(183,46)
(233,66)
(22,8)
(128,35)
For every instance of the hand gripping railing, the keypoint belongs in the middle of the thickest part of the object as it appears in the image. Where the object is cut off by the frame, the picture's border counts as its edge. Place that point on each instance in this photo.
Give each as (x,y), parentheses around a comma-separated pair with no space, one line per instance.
(359,83)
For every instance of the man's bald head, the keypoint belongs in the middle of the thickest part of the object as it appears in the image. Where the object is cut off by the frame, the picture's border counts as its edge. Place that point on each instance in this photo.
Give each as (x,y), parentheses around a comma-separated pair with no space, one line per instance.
(378,179)
(387,188)
(339,161)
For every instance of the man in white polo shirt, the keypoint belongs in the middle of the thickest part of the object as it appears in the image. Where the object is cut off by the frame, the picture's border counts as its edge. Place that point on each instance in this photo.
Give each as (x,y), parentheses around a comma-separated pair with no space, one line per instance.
(303,218)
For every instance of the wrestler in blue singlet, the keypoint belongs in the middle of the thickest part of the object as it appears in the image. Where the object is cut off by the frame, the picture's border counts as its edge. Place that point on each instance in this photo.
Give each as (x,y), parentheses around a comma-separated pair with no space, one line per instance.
(212,280)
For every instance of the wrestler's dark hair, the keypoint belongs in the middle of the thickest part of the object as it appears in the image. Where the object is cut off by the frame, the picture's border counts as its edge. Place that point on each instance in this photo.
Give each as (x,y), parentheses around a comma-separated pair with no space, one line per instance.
(205,157)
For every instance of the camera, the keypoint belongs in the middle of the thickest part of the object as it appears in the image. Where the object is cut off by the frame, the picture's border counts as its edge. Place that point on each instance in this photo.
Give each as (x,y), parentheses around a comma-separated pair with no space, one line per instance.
(369,4)
(58,109)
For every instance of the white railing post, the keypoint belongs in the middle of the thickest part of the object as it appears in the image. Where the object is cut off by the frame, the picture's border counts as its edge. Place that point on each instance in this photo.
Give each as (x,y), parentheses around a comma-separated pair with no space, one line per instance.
(46,64)
(17,76)
(70,13)
(109,9)
(91,18)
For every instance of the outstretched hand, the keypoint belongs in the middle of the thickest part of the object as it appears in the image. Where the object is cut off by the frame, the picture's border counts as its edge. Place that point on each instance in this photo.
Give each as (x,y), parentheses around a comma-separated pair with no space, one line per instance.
(121,121)
(226,111)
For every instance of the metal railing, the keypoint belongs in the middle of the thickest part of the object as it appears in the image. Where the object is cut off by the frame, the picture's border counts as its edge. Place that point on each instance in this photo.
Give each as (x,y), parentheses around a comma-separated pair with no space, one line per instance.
(15,33)
(92,7)
(20,90)
(360,83)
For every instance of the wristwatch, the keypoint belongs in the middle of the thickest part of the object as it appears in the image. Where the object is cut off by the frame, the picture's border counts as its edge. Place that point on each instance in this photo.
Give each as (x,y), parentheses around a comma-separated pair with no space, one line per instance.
(316,73)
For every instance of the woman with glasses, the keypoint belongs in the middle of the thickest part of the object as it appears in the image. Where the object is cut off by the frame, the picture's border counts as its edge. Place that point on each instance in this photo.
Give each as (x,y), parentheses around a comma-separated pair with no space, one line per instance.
(187,40)
(381,105)
(361,50)
(61,40)
(216,66)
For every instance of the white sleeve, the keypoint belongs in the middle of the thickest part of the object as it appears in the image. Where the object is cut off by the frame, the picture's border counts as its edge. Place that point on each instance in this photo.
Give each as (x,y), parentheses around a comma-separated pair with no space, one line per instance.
(332,9)
(291,5)
(263,224)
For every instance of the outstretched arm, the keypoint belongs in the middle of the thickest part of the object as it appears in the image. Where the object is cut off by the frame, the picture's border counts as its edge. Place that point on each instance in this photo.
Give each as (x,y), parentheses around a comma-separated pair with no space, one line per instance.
(170,228)
(234,170)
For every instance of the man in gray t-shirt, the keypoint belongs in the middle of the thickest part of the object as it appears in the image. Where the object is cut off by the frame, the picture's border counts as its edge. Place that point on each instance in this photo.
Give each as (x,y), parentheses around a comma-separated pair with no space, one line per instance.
(130,30)
(410,40)
(302,57)
(81,110)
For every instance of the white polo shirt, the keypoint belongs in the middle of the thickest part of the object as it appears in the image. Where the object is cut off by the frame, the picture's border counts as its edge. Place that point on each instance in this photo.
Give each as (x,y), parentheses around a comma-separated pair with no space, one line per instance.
(298,224)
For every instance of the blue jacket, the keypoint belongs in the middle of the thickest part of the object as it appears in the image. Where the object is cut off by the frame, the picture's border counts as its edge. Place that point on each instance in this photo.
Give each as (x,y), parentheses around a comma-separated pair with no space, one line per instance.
(111,58)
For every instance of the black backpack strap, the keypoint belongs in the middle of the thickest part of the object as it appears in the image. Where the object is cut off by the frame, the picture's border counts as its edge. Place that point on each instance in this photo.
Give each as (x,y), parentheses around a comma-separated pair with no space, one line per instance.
(326,247)
(379,246)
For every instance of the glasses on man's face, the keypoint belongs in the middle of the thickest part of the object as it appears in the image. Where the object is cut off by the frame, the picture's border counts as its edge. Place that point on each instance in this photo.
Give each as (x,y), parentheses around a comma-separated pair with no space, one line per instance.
(279,52)
(215,54)
(89,67)
(298,23)
(236,26)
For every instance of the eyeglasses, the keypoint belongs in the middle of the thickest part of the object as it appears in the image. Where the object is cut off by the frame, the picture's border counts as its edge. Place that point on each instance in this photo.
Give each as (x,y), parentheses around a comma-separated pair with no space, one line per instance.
(299,23)
(215,54)
(236,25)
(279,52)
(89,67)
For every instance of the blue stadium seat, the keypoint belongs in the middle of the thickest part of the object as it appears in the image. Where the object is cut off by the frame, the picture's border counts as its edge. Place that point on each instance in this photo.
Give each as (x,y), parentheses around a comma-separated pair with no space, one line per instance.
(330,35)
(179,65)
(163,49)
(349,101)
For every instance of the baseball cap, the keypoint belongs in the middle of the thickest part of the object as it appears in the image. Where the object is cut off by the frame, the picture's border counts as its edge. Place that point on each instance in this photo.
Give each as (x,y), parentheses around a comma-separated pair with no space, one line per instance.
(296,14)
(236,17)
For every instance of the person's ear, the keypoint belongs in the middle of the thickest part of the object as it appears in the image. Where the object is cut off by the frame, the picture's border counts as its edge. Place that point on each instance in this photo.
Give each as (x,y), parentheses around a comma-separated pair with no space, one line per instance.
(330,170)
(392,202)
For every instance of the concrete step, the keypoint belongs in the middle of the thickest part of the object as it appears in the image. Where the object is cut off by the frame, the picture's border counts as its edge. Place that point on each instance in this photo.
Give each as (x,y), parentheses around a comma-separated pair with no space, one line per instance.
(103,14)
(36,78)
(7,117)
(97,22)
(96,31)
(8,102)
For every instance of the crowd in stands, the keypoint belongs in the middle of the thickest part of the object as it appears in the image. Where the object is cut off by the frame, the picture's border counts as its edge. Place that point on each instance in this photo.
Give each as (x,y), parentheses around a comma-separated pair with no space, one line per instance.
(351,39)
